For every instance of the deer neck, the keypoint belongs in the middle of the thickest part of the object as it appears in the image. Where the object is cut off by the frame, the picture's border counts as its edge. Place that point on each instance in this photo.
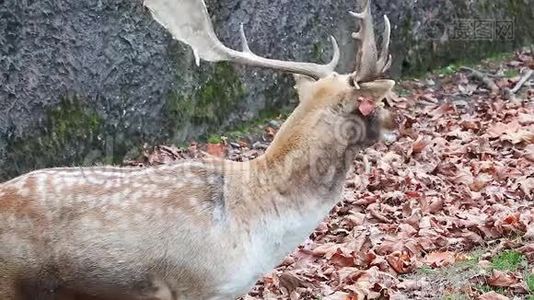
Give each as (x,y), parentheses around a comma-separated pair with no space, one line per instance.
(309,155)
(301,175)
(294,185)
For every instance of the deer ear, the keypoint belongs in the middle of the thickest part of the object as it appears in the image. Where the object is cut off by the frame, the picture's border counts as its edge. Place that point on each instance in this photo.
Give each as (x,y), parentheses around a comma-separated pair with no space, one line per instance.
(303,85)
(378,89)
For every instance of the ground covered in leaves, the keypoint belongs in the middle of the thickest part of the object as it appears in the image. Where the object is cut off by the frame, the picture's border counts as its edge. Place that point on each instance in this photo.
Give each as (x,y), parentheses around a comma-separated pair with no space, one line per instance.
(445,211)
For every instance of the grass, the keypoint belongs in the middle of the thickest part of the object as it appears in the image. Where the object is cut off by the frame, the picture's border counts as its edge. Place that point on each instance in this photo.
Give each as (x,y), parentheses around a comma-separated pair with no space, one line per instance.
(508,261)
(529,279)
(484,288)
(214,139)
(511,73)
(455,277)
(455,296)
(448,70)
(426,270)
(499,57)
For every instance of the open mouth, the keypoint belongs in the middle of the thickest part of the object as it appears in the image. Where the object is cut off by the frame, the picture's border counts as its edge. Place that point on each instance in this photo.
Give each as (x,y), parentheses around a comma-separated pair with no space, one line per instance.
(370,108)
(367,106)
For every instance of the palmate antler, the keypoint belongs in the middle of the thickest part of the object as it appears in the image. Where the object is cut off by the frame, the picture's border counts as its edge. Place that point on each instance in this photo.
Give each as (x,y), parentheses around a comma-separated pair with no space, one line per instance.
(369,65)
(189,22)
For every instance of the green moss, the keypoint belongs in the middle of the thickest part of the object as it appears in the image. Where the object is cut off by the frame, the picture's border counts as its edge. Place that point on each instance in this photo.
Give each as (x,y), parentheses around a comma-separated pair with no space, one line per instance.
(72,120)
(210,104)
(218,96)
(71,133)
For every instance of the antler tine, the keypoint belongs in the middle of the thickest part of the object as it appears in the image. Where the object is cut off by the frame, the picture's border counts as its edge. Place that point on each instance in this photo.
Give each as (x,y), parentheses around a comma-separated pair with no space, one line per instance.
(369,64)
(384,61)
(189,22)
(244,42)
(309,69)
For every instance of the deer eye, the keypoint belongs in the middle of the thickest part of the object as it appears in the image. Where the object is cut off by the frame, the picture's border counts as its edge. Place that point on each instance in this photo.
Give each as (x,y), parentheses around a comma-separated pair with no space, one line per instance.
(351,81)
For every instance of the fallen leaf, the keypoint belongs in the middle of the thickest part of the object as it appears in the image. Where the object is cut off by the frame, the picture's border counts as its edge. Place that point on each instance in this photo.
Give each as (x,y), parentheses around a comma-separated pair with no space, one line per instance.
(525,119)
(520,136)
(217,150)
(440,259)
(502,279)
(492,296)
(498,129)
(401,262)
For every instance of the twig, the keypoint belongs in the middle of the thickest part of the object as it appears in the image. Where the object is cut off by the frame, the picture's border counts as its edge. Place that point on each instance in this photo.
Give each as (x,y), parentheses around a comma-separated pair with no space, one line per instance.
(522,81)
(485,79)
(366,165)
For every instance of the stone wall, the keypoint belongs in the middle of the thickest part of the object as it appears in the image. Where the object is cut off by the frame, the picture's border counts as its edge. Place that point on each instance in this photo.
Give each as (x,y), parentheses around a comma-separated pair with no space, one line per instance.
(83,82)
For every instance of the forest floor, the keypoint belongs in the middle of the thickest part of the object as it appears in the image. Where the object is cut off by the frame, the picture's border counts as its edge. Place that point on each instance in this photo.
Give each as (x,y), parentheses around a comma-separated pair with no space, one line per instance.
(444,212)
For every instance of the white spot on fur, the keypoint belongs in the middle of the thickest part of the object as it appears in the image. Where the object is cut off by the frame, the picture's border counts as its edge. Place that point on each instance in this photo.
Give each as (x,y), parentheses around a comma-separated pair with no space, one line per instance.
(113,199)
(158,211)
(139,218)
(88,222)
(193,201)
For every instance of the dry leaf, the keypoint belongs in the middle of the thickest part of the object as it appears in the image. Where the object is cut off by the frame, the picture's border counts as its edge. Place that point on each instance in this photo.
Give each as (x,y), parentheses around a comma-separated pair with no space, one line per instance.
(492,296)
(440,259)
(502,279)
(217,150)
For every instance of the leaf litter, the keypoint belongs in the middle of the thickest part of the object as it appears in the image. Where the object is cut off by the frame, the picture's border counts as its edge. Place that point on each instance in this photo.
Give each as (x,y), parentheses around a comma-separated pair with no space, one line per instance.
(459,176)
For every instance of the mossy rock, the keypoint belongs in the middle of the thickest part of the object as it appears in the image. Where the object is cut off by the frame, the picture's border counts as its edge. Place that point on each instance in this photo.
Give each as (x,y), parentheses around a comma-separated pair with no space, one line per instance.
(71,133)
(206,107)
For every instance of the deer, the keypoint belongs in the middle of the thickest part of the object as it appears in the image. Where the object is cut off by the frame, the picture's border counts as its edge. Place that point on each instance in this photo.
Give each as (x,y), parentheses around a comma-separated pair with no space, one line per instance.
(203,229)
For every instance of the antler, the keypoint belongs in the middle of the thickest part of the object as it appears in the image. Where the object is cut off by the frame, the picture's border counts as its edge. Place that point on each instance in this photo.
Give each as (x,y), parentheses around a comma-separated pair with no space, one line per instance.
(370,65)
(189,22)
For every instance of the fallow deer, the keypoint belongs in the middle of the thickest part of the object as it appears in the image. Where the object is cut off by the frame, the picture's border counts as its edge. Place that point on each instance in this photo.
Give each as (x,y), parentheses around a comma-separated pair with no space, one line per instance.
(195,230)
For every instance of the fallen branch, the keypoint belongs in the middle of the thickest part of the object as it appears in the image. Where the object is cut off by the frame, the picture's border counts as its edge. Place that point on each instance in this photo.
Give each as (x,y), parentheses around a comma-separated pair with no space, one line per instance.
(522,81)
(484,78)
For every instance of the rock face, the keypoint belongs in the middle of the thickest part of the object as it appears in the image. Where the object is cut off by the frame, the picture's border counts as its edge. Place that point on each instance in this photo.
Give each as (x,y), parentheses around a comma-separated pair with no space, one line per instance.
(90,81)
